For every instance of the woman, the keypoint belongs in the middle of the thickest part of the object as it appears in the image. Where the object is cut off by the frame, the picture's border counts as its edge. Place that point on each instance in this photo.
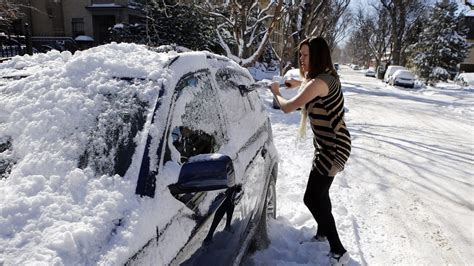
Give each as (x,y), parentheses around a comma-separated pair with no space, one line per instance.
(322,101)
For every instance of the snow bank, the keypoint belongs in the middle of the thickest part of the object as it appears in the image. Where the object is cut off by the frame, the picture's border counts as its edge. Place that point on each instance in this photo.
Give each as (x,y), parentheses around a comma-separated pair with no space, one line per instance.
(262,71)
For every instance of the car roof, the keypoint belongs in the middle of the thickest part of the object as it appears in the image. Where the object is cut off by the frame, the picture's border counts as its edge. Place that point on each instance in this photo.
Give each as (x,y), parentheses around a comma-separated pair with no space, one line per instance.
(404,72)
(395,67)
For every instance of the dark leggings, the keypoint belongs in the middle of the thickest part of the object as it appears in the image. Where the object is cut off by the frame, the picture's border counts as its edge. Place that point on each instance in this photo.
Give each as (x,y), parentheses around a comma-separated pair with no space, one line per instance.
(316,198)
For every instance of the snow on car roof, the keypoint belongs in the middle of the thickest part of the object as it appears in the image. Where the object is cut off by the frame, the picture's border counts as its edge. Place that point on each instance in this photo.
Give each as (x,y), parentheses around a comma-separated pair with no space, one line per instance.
(403,72)
(52,211)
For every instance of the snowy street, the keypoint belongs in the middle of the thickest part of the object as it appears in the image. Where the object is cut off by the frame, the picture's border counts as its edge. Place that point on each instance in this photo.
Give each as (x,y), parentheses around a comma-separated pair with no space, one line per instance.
(405,196)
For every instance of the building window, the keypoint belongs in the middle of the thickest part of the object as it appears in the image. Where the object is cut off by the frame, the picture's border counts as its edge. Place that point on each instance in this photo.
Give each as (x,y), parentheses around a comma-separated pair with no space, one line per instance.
(77,27)
(49,11)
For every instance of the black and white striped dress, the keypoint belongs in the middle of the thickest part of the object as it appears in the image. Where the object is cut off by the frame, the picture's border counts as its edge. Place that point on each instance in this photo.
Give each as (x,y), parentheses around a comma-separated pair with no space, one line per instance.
(332,140)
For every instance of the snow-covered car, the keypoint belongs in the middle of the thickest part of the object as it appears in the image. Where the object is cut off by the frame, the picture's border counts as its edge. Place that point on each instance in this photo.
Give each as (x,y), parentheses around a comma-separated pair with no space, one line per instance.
(370,72)
(465,79)
(390,71)
(286,92)
(121,155)
(402,77)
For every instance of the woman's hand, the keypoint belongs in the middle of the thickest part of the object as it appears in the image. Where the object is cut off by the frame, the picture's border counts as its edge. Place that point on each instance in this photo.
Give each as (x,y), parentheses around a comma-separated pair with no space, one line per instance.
(292,83)
(275,88)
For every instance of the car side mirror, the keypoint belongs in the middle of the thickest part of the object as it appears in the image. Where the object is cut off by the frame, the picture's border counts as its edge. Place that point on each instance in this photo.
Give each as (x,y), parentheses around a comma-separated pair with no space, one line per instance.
(205,172)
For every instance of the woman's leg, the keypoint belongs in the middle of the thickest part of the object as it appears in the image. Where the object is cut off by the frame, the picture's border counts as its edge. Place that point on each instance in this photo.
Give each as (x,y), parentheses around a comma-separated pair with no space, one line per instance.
(317,200)
(313,197)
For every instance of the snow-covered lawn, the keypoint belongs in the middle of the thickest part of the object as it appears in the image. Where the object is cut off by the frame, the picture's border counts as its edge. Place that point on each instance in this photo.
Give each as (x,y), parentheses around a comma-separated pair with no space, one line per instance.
(406,194)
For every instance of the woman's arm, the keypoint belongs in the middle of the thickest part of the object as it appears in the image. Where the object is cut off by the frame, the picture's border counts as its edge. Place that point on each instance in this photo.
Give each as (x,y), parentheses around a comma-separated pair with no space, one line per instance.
(313,88)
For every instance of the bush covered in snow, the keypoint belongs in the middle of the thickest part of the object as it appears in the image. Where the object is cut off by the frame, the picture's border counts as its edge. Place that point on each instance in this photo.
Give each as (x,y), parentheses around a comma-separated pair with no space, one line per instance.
(182,25)
(441,46)
(439,73)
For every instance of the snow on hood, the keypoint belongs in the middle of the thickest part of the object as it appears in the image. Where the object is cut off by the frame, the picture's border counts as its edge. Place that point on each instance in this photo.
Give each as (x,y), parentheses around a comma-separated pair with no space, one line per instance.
(52,211)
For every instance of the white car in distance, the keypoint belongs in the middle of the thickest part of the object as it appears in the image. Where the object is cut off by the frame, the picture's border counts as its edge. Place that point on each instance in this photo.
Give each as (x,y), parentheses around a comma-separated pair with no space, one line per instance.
(402,77)
(390,71)
(370,72)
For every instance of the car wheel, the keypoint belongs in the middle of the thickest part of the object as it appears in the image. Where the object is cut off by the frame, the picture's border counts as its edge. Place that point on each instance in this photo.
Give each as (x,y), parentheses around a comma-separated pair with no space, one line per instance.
(261,240)
(271,199)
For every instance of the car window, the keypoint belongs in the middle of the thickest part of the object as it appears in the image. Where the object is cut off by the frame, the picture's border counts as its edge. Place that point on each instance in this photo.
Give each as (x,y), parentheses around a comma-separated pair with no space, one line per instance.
(197,126)
(190,142)
(228,81)
(245,111)
(111,143)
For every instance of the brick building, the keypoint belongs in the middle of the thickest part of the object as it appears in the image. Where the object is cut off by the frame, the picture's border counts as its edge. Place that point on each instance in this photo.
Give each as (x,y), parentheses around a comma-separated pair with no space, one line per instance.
(72,18)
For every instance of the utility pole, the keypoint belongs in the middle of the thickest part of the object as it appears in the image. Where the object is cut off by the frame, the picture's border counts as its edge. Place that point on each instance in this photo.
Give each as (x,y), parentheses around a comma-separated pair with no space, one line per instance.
(29,44)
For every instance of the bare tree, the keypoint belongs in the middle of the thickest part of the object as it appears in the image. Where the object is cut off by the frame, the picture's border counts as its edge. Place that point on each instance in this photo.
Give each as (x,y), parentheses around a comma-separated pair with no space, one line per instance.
(358,47)
(403,15)
(244,27)
(305,18)
(9,11)
(332,23)
(373,29)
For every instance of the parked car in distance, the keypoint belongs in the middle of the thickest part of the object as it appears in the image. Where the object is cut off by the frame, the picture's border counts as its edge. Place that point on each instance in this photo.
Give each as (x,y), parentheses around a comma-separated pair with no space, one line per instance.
(389,72)
(370,72)
(355,67)
(133,160)
(402,77)
(286,92)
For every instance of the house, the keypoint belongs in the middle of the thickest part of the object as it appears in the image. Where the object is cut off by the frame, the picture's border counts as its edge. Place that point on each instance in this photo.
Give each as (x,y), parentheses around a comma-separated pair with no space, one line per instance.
(468,64)
(73,18)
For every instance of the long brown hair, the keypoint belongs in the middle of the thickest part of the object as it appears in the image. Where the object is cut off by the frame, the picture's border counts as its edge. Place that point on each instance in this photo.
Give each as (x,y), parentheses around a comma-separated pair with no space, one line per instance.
(319,58)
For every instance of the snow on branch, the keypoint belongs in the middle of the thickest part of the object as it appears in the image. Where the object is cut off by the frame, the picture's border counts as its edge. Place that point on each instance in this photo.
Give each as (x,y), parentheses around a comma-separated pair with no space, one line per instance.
(244,27)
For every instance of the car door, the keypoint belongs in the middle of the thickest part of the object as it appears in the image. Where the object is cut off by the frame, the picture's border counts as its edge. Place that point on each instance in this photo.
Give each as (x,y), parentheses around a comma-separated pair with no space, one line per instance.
(198,127)
(249,129)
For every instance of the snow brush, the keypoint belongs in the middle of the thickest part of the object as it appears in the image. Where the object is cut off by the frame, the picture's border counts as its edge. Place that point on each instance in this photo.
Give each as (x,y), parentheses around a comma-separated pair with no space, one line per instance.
(262,84)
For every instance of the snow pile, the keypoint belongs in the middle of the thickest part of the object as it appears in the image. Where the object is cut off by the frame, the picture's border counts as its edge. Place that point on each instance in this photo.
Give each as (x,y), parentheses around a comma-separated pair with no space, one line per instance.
(28,65)
(264,71)
(439,73)
(470,13)
(53,211)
